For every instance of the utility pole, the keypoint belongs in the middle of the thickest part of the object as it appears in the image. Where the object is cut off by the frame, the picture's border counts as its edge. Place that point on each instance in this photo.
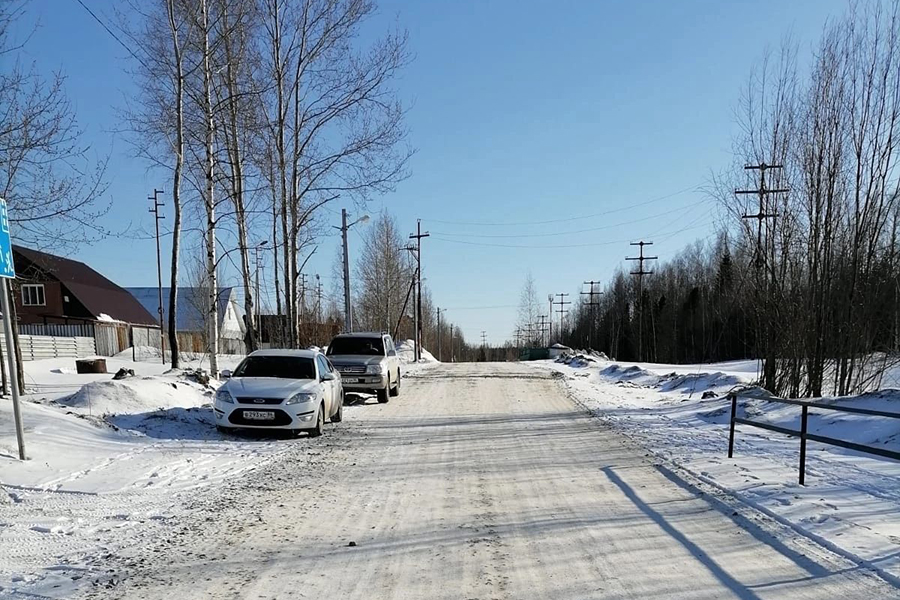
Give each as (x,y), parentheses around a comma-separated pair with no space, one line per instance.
(542,326)
(318,309)
(302,296)
(415,254)
(440,311)
(765,282)
(345,227)
(418,237)
(562,311)
(256,250)
(157,217)
(550,334)
(640,275)
(591,305)
(761,214)
(348,323)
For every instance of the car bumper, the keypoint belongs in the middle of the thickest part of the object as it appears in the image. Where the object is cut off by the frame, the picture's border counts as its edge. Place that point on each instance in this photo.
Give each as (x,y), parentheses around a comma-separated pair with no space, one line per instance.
(363,383)
(279,416)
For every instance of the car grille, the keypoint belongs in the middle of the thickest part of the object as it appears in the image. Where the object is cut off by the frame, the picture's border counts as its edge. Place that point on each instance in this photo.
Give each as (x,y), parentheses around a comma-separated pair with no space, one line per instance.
(352,369)
(259,401)
(281,418)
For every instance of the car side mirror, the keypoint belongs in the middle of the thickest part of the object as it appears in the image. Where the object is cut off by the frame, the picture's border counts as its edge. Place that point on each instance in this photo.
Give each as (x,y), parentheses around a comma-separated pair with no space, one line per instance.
(392,353)
(328,377)
(225,374)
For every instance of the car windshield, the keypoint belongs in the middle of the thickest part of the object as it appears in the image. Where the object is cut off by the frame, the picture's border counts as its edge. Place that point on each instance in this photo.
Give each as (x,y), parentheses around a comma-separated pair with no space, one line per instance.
(368,346)
(282,367)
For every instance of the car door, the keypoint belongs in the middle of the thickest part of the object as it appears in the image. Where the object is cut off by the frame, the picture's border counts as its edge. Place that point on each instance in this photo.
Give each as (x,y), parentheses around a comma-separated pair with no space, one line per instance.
(327,386)
(337,384)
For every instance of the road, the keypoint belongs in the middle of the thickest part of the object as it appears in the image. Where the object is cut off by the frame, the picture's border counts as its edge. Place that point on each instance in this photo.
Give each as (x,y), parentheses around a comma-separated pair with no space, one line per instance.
(479,482)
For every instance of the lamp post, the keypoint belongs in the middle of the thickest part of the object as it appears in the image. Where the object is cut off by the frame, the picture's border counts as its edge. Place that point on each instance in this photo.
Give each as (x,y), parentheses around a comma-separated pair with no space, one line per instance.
(256,250)
(345,226)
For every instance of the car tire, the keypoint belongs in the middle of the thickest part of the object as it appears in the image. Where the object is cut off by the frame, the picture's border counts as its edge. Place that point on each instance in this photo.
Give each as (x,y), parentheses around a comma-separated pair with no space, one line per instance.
(320,423)
(395,391)
(384,394)
(339,415)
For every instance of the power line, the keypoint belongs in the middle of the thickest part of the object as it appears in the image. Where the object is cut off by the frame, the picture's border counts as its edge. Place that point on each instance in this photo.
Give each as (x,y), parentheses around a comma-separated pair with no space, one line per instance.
(569,219)
(481,307)
(113,34)
(575,231)
(546,246)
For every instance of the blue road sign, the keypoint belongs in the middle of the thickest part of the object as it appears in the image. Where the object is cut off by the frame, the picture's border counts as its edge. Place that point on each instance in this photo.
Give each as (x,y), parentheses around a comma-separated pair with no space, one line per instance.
(7,269)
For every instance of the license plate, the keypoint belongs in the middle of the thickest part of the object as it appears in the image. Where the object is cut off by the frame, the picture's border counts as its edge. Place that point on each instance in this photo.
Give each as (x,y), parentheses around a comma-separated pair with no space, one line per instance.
(351,380)
(258,415)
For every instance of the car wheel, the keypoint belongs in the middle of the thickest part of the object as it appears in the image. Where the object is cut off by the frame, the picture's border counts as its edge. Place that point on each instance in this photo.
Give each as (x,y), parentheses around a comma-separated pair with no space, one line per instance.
(320,423)
(339,415)
(383,393)
(395,391)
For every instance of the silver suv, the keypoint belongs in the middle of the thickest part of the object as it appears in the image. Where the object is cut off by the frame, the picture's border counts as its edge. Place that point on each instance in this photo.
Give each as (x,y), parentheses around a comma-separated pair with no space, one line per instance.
(367,362)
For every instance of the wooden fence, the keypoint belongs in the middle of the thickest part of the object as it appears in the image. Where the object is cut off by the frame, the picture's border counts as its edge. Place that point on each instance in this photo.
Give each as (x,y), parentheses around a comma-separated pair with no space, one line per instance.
(37,347)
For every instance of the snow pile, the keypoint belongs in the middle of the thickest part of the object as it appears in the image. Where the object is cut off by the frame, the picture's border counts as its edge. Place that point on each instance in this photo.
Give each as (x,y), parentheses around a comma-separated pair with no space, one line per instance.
(406,352)
(136,395)
(681,413)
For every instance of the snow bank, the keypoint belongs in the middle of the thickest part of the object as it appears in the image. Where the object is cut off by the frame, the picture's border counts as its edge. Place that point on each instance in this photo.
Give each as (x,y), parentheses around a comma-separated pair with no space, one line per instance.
(681,414)
(406,352)
(137,395)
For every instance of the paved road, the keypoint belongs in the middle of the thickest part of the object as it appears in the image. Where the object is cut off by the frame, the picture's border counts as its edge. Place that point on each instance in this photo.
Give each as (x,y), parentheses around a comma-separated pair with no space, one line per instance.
(487,482)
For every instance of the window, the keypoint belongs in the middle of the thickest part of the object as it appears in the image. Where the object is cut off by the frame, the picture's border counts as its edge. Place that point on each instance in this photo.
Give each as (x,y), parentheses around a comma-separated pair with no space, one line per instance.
(33,295)
(323,366)
(364,346)
(281,367)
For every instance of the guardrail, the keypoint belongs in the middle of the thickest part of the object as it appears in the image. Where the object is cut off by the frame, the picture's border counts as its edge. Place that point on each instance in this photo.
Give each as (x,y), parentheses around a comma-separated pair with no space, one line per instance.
(803,434)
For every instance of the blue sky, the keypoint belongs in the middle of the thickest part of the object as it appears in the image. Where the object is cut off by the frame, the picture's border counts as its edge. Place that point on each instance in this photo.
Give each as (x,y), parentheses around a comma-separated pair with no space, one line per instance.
(522,111)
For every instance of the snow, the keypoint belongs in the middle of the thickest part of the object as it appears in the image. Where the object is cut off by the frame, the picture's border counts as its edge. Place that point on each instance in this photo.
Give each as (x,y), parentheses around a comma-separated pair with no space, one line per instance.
(109,462)
(849,499)
(406,353)
(106,318)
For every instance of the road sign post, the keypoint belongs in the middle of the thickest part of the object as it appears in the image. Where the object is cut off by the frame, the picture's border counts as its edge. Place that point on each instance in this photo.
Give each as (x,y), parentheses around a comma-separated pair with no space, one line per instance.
(8,271)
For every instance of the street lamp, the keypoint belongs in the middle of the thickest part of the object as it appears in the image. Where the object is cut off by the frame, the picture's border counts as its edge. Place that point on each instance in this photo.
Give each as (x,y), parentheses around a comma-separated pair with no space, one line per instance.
(345,226)
(256,250)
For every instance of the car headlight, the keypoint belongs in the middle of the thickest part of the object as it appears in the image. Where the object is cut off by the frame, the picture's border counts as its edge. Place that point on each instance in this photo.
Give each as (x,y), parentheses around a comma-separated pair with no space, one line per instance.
(300,398)
(375,369)
(224,396)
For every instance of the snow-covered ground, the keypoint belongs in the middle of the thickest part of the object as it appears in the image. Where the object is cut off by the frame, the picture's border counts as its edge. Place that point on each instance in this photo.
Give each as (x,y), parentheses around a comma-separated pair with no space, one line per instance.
(850,501)
(109,462)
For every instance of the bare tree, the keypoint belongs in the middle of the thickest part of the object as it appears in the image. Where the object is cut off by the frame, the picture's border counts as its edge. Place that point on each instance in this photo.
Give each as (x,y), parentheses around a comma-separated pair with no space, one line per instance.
(48,176)
(331,116)
(529,310)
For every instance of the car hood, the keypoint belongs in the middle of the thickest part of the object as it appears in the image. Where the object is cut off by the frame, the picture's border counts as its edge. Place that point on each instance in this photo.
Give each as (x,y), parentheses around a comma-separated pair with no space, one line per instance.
(339,360)
(268,387)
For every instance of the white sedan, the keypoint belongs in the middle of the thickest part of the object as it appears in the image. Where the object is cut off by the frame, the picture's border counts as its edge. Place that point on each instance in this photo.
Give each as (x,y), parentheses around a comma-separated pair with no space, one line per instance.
(280,389)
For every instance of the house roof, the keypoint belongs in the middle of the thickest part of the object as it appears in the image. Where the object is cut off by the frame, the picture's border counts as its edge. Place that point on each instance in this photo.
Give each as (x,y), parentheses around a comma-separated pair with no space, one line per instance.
(191,304)
(99,295)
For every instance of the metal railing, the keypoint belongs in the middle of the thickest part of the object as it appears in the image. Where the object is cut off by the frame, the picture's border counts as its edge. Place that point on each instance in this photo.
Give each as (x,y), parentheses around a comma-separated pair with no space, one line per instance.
(804,434)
